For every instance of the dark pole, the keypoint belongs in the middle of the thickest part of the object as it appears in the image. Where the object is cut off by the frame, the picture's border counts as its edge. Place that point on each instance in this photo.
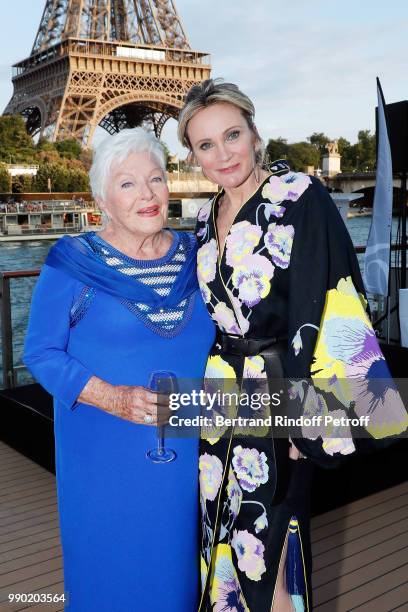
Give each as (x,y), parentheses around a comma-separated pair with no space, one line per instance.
(404,230)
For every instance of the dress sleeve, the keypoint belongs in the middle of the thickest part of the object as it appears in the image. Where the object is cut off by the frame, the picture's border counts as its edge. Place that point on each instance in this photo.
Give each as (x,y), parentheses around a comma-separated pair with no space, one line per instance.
(45,350)
(331,340)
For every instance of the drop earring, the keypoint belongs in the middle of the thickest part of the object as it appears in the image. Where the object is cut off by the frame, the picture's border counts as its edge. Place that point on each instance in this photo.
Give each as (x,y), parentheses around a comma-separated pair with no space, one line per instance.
(257,173)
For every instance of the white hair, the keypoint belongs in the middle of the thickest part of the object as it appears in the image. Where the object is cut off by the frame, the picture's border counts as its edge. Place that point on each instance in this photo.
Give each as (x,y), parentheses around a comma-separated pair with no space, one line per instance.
(115,149)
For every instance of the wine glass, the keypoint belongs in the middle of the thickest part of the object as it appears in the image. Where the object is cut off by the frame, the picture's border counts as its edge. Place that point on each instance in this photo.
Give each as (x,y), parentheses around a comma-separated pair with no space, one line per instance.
(162,382)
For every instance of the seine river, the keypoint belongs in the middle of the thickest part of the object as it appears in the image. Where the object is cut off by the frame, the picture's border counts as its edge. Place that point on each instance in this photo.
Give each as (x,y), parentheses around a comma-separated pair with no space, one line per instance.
(29,255)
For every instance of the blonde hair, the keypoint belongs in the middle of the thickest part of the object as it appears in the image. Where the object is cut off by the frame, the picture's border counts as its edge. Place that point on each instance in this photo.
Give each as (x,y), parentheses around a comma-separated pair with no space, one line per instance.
(214,91)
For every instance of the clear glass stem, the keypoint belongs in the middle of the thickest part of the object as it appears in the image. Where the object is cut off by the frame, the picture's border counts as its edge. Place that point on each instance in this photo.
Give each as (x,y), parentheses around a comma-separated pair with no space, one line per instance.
(160,439)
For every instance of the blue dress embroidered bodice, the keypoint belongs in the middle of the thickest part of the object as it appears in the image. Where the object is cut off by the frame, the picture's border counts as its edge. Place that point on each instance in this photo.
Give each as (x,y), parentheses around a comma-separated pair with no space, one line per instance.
(159,274)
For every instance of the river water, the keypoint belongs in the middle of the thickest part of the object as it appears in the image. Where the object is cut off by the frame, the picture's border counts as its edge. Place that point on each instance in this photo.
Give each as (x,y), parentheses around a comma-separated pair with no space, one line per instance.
(29,255)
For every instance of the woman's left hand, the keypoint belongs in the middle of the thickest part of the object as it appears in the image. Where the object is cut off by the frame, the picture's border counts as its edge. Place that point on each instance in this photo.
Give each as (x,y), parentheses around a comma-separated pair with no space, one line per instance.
(294,453)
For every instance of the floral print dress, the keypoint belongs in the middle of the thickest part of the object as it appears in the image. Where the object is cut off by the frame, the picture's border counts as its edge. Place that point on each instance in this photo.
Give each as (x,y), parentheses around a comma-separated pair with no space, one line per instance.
(288,270)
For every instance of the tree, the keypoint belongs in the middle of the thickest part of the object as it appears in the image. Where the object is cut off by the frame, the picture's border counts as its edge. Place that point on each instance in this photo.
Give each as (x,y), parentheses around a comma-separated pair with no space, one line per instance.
(72,164)
(78,181)
(358,157)
(45,145)
(365,151)
(277,149)
(62,178)
(86,159)
(69,148)
(16,146)
(5,179)
(302,154)
(298,154)
(348,155)
(319,141)
(22,183)
(58,175)
(63,162)
(48,156)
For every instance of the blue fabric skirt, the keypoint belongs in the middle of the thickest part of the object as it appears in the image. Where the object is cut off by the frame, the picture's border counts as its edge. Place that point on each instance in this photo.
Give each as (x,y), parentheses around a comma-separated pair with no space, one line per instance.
(129,526)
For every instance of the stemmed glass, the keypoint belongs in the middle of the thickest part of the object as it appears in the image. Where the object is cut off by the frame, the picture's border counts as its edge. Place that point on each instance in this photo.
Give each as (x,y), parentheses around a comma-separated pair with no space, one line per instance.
(165,383)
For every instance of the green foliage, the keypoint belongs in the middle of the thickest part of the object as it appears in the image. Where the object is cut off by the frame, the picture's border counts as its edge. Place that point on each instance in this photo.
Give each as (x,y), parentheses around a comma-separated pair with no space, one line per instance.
(67,164)
(60,161)
(365,151)
(358,157)
(48,157)
(16,146)
(22,183)
(5,180)
(69,148)
(302,154)
(86,159)
(45,145)
(343,145)
(78,181)
(348,155)
(277,148)
(298,154)
(54,172)
(319,141)
(62,178)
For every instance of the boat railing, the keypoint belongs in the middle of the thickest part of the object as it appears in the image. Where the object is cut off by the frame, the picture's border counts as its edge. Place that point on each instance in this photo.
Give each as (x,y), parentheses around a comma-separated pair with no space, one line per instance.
(46,207)
(24,230)
(10,368)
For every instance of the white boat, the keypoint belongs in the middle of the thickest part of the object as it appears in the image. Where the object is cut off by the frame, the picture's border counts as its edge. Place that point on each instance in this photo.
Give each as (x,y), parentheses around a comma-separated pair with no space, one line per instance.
(47,219)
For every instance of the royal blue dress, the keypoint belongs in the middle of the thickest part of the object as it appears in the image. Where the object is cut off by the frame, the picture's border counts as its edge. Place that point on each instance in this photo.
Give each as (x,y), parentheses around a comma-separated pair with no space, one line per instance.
(129,527)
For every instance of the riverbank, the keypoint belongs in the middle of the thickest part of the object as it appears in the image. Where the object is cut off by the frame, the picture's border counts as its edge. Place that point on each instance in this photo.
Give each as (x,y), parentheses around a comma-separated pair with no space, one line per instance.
(352,215)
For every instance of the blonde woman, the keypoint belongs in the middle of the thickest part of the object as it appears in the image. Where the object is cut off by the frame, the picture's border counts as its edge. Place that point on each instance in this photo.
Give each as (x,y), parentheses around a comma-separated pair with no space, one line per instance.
(279,276)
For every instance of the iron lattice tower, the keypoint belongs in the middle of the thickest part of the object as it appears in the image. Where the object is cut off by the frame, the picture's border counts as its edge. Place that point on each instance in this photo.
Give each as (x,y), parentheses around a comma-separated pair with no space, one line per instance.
(113,63)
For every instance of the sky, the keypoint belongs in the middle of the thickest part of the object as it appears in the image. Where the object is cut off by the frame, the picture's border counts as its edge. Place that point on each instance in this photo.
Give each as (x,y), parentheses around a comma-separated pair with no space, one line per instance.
(308,65)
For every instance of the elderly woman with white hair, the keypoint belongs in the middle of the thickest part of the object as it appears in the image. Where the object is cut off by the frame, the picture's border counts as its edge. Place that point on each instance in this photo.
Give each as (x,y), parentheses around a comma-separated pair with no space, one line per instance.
(109,309)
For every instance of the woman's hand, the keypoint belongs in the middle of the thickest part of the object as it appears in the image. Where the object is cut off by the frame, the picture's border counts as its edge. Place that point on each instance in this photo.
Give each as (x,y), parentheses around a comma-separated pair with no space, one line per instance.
(135,404)
(294,453)
(140,405)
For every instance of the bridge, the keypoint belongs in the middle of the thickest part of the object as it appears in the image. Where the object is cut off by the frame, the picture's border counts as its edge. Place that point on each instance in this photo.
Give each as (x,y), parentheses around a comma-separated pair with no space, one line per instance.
(361,182)
(350,182)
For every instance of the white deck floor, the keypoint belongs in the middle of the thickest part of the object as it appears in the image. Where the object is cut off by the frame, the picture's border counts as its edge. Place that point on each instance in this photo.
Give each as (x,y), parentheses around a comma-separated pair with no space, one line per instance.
(360,551)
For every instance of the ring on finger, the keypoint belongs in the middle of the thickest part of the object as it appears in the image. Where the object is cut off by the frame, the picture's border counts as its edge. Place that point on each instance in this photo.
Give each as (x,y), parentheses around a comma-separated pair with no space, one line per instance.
(148,418)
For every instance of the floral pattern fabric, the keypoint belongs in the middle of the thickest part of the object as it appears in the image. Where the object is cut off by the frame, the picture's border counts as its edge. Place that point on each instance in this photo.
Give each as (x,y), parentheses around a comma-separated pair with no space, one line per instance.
(287,270)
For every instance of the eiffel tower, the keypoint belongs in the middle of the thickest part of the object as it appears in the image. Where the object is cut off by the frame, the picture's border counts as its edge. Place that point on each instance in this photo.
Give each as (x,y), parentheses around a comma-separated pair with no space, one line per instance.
(112,63)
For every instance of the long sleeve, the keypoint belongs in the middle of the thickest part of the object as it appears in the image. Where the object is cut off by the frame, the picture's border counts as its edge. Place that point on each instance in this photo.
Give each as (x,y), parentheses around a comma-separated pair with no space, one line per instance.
(45,351)
(331,338)
(322,255)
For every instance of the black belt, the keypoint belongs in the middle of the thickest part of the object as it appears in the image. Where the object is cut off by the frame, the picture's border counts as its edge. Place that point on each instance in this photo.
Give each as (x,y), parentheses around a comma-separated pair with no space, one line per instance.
(248,347)
(273,351)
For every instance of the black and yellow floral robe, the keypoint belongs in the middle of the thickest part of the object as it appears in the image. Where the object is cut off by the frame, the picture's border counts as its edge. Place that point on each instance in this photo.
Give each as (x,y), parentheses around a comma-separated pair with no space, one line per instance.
(288,269)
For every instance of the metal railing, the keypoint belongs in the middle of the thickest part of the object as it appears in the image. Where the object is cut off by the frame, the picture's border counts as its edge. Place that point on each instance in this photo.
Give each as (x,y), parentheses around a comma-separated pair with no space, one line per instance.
(33,207)
(17,231)
(86,46)
(9,369)
(23,166)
